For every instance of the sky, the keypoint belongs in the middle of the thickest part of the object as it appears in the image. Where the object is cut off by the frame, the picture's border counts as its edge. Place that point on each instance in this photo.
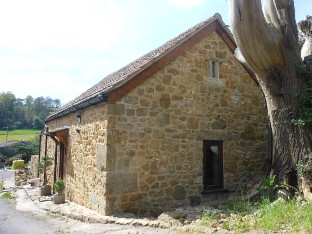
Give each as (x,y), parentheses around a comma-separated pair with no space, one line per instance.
(60,48)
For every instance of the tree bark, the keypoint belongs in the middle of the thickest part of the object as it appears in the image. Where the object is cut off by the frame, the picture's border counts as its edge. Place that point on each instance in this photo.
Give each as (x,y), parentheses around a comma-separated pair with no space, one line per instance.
(268,41)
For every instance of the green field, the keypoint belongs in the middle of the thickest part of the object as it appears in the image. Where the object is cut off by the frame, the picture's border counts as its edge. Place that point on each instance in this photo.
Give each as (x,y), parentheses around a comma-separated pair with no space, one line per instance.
(18,134)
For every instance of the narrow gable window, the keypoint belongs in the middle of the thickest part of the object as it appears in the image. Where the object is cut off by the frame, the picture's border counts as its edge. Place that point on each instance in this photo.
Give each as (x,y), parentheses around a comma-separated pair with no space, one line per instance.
(213,67)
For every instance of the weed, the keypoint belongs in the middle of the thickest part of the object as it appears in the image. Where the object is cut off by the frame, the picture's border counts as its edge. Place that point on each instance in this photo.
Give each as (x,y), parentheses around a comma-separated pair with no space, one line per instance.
(208,217)
(239,204)
(1,185)
(305,165)
(7,195)
(268,187)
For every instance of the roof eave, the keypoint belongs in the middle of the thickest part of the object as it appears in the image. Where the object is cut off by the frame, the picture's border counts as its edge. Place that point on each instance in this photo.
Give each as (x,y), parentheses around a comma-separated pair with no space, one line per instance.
(91,101)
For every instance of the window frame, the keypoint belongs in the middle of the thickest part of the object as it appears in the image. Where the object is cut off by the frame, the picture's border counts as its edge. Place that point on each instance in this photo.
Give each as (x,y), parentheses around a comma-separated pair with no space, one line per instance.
(213,67)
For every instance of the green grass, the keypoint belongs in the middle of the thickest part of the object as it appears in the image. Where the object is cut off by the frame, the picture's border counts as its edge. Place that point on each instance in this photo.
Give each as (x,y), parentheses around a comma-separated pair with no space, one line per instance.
(289,216)
(286,215)
(18,134)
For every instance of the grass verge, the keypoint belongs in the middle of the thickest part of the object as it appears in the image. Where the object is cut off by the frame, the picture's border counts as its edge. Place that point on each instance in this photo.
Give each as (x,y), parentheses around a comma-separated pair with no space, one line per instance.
(279,216)
(282,215)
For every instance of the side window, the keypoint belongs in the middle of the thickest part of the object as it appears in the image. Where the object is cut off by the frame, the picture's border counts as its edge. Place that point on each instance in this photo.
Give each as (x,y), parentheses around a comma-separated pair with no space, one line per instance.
(213,165)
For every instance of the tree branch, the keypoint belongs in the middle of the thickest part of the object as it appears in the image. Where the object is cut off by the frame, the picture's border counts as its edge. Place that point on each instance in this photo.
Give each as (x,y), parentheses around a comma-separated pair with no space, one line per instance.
(260,42)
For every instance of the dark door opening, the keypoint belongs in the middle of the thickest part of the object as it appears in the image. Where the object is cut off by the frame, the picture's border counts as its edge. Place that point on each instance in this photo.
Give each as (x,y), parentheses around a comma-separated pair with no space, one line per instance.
(213,165)
(63,149)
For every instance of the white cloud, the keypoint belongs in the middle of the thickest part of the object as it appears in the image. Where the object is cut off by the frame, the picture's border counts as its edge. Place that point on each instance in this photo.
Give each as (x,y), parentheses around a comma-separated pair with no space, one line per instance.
(60,23)
(186,4)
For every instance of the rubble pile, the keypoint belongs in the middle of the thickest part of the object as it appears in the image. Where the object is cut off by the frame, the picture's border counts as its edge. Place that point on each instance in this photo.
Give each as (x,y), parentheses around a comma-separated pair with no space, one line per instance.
(21,177)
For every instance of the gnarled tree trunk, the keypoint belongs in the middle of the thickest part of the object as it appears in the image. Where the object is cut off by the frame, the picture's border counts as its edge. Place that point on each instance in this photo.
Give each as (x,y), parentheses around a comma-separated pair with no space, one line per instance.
(268,42)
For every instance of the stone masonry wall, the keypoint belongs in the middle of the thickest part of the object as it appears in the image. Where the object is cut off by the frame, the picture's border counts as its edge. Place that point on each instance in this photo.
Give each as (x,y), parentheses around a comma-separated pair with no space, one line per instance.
(33,165)
(84,182)
(156,132)
(144,154)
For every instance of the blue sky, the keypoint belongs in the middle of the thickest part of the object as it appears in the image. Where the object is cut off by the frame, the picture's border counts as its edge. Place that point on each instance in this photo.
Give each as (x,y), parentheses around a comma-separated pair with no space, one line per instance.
(60,48)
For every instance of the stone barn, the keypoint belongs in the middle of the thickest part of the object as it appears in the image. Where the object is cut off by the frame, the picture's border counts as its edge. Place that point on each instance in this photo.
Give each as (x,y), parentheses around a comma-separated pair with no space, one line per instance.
(185,122)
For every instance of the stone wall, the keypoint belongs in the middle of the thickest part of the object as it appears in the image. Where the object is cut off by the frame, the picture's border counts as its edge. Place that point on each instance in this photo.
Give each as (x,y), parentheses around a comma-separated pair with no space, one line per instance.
(85,183)
(144,154)
(33,165)
(157,131)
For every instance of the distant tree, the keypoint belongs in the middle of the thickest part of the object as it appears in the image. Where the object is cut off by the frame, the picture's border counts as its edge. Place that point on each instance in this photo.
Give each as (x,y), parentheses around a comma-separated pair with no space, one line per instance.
(52,104)
(38,105)
(19,102)
(29,114)
(29,100)
(21,113)
(37,123)
(18,125)
(49,102)
(7,101)
(57,103)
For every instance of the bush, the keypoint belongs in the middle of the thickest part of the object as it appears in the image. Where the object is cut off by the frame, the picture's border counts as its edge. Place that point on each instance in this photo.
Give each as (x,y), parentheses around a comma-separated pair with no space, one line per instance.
(9,161)
(3,158)
(9,151)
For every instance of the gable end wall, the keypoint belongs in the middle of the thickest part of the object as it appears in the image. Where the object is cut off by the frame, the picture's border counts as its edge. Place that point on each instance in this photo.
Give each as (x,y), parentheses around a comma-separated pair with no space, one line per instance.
(157,131)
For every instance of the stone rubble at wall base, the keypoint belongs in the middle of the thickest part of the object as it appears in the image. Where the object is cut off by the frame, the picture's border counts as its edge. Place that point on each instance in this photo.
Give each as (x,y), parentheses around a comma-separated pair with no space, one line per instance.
(171,219)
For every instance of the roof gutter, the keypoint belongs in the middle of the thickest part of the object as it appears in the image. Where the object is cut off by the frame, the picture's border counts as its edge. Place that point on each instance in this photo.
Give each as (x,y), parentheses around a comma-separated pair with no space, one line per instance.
(91,101)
